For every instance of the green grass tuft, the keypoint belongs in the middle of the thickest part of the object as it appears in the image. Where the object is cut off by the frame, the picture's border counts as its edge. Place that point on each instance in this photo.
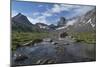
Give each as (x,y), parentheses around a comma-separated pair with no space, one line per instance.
(19,38)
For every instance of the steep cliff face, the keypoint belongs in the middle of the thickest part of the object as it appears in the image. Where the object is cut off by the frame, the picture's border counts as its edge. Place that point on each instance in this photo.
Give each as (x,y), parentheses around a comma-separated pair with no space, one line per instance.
(85,23)
(21,23)
(62,22)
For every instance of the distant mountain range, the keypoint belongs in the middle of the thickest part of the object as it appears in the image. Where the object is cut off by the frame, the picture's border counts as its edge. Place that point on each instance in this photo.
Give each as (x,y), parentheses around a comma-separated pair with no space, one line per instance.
(22,24)
(84,23)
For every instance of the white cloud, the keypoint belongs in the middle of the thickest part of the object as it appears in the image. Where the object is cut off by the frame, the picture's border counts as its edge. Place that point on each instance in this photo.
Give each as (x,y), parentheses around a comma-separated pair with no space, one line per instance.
(70,6)
(50,12)
(31,20)
(71,22)
(40,5)
(14,13)
(47,14)
(41,19)
(36,14)
(83,9)
(57,8)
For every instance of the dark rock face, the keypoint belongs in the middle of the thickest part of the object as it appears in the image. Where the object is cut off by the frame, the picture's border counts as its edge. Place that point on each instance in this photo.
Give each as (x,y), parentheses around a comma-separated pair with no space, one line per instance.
(21,23)
(20,18)
(64,34)
(21,58)
(62,22)
(52,26)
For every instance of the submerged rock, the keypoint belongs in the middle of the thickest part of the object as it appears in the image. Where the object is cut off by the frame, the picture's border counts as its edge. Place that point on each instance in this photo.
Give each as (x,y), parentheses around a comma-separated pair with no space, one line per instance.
(47,40)
(20,57)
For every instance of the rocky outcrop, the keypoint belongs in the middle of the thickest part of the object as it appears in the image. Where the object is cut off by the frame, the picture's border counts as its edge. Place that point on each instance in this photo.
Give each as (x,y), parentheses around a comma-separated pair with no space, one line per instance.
(62,22)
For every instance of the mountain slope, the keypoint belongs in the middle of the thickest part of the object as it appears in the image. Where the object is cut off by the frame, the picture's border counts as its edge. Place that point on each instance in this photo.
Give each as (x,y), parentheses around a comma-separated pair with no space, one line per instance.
(85,23)
(22,24)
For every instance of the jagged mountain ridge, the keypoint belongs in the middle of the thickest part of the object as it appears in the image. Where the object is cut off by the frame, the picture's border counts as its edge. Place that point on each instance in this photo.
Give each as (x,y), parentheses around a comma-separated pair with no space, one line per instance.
(85,23)
(22,24)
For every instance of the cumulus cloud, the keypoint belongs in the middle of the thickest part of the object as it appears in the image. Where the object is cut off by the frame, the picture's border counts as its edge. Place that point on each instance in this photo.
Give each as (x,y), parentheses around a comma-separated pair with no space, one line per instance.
(83,9)
(31,20)
(54,10)
(41,19)
(14,13)
(57,8)
(35,14)
(78,9)
(47,14)
(71,22)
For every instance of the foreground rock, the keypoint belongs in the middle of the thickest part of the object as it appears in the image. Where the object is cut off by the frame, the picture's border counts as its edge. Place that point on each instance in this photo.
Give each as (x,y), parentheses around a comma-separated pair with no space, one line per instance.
(49,53)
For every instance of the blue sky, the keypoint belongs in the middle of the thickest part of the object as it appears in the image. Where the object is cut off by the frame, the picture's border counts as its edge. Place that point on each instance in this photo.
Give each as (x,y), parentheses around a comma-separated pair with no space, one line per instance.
(48,12)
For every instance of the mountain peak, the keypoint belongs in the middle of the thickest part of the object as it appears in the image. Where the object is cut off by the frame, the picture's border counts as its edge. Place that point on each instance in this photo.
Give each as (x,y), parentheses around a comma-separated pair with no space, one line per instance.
(20,18)
(20,15)
(62,21)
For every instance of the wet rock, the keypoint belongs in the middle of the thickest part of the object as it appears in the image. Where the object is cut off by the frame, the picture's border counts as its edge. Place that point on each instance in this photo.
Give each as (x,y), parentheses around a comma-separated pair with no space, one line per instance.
(66,44)
(20,57)
(37,40)
(54,43)
(69,52)
(18,45)
(51,61)
(47,40)
(38,62)
(35,44)
(46,61)
(77,40)
(63,35)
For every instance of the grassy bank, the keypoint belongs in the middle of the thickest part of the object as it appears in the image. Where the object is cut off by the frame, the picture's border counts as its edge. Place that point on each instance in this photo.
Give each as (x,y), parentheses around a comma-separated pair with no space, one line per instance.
(87,37)
(19,38)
